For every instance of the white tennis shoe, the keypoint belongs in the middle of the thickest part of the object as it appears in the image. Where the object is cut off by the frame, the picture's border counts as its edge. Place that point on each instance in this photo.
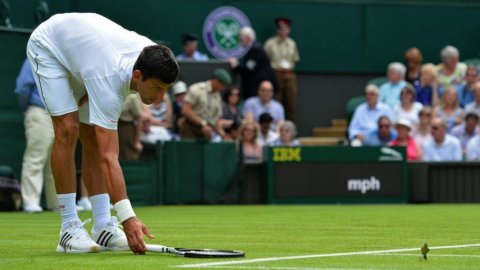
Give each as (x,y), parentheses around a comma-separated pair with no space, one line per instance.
(111,236)
(75,239)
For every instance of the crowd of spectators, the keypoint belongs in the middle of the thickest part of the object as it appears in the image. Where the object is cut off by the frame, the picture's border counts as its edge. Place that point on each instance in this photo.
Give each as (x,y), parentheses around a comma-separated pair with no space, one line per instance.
(253,115)
(432,110)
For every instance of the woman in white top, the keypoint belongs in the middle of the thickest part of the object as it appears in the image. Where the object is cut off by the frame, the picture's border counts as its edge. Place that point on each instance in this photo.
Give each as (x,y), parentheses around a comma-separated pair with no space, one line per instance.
(288,132)
(451,72)
(247,137)
(408,107)
(449,109)
(422,131)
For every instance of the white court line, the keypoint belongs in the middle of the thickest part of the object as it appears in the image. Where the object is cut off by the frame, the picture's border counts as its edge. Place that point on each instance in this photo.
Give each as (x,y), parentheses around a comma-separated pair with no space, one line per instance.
(284,268)
(204,265)
(430,255)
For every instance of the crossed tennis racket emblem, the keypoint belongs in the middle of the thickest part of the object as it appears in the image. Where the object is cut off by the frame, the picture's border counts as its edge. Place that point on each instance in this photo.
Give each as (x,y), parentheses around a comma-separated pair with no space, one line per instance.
(228,33)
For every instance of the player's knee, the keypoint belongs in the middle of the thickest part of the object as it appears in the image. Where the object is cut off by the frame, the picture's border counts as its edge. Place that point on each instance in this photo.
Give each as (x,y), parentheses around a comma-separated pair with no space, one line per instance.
(66,132)
(107,159)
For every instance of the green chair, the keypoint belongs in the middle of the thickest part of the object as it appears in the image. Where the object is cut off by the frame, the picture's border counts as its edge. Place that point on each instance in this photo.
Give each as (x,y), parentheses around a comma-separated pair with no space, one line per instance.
(352,104)
(378,81)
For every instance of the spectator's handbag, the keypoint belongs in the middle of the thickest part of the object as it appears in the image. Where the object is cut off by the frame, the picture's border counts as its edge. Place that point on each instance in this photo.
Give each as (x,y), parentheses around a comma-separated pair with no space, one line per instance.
(10,195)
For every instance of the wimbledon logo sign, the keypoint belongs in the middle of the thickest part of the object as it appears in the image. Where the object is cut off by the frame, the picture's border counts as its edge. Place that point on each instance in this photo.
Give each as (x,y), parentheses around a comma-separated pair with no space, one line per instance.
(221,32)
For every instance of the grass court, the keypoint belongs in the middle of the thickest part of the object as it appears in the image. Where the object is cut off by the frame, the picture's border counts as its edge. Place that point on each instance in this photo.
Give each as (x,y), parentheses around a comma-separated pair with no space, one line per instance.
(278,237)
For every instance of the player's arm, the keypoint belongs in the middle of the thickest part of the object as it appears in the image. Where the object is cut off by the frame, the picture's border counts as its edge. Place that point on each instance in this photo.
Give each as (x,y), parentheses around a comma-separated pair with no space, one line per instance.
(112,173)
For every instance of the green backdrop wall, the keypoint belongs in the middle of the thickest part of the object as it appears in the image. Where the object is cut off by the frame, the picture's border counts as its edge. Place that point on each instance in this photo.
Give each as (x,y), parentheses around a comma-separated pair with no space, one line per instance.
(332,36)
(345,38)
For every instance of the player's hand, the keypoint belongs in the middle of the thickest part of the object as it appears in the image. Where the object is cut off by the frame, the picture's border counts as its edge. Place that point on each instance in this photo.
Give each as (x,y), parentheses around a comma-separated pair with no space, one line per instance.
(135,229)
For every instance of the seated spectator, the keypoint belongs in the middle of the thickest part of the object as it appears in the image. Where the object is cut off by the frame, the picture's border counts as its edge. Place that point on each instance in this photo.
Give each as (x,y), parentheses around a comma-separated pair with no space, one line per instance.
(422,131)
(408,107)
(403,128)
(467,130)
(157,122)
(366,115)
(267,136)
(151,133)
(451,72)
(161,113)
(449,110)
(231,133)
(190,51)
(413,61)
(473,149)
(442,146)
(203,107)
(428,92)
(179,91)
(262,103)
(465,91)
(247,136)
(230,108)
(383,135)
(288,132)
(474,106)
(129,123)
(390,91)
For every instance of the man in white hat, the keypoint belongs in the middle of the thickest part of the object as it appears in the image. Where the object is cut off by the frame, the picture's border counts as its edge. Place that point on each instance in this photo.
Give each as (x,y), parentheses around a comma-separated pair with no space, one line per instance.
(179,91)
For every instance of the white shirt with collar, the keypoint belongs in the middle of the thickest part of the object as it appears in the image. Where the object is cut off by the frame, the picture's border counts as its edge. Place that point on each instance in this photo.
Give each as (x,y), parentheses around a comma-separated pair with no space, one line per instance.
(449,150)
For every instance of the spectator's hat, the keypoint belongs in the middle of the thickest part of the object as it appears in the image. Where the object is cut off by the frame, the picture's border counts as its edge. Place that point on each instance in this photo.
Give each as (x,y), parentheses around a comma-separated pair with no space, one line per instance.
(179,88)
(282,22)
(188,37)
(404,122)
(223,76)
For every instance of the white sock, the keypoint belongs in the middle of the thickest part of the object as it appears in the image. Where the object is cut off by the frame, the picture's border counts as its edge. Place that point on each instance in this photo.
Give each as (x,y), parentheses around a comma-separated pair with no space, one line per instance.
(100,210)
(68,209)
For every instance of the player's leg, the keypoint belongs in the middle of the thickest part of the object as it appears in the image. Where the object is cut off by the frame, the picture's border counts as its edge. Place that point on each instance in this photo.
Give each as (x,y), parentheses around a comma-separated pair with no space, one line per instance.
(73,237)
(106,230)
(54,88)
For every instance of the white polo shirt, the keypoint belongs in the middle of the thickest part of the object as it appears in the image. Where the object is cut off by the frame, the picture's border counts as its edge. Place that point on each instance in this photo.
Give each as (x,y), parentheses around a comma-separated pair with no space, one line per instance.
(449,150)
(98,54)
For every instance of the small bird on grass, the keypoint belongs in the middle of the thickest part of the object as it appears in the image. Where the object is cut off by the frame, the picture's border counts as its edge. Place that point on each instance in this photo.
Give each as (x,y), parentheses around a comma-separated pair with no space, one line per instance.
(424,249)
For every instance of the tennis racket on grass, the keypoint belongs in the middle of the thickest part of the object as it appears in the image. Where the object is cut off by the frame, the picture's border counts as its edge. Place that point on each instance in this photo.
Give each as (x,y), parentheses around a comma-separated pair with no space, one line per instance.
(195,253)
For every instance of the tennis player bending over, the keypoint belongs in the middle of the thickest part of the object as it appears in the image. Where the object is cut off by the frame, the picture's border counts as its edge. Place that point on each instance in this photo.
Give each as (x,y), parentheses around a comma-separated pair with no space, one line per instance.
(84,66)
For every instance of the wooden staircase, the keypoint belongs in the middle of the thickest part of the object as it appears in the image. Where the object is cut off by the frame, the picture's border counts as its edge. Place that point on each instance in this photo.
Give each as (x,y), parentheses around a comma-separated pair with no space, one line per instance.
(327,136)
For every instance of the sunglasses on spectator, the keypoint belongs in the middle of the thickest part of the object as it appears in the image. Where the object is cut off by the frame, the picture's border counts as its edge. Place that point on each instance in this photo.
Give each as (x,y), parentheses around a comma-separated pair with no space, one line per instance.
(384,126)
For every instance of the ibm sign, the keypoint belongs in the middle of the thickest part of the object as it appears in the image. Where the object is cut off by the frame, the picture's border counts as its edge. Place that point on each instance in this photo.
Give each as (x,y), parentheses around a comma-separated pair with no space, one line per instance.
(316,174)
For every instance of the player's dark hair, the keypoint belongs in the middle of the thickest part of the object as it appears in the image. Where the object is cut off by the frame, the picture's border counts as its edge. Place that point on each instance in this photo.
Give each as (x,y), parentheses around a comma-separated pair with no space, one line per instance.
(158,62)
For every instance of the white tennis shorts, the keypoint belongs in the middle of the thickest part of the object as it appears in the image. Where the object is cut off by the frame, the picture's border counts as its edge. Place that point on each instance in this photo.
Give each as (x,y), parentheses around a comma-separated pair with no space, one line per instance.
(58,89)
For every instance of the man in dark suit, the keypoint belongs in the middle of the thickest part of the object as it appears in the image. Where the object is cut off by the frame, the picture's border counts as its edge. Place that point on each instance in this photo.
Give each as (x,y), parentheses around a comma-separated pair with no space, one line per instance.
(254,67)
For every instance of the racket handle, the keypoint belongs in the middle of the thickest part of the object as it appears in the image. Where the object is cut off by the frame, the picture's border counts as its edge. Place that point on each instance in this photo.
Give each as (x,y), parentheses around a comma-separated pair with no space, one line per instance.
(157,248)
